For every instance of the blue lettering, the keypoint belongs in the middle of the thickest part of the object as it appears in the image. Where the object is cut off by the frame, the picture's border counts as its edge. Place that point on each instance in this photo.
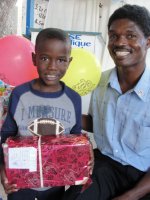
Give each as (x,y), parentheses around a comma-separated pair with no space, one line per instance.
(48,111)
(39,111)
(31,112)
(57,113)
(75,36)
(63,115)
(69,116)
(45,111)
(52,112)
(80,44)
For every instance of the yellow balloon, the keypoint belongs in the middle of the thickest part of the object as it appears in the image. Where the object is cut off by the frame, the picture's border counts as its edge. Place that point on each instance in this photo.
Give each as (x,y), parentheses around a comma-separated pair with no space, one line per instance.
(84,71)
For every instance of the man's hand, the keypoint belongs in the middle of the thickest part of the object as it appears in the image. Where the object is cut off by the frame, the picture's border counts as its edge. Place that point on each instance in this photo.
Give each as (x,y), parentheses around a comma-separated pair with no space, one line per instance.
(126,196)
(141,189)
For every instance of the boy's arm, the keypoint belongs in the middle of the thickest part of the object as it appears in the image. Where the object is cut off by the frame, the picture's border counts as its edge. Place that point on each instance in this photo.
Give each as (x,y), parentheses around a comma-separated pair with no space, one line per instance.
(141,189)
(9,128)
(87,123)
(9,188)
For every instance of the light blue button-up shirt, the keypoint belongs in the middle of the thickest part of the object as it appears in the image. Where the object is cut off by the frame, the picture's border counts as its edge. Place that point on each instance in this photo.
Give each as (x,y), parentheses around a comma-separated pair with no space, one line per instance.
(121,122)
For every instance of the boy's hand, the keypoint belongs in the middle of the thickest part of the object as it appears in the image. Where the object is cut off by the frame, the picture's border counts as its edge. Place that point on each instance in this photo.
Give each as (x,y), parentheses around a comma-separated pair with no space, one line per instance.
(9,188)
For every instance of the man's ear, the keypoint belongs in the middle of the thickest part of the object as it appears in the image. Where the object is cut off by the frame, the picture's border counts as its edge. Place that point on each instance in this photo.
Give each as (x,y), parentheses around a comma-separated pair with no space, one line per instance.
(34,58)
(148,42)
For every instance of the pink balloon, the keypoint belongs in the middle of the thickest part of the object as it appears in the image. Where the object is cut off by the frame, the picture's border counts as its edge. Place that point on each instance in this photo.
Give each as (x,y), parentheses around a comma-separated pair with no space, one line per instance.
(16,65)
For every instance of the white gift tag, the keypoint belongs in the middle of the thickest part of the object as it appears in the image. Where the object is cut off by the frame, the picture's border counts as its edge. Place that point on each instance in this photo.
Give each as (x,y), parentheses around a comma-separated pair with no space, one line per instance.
(23,158)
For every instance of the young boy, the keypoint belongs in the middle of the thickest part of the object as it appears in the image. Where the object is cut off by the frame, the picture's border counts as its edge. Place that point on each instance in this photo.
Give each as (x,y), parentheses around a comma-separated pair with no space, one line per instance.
(45,96)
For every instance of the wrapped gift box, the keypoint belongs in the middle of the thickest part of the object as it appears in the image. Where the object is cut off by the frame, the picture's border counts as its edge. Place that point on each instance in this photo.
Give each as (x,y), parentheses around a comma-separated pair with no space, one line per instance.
(33,162)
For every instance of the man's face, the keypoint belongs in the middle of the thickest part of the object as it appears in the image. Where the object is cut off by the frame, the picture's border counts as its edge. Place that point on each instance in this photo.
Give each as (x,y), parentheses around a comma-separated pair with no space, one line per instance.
(52,59)
(127,44)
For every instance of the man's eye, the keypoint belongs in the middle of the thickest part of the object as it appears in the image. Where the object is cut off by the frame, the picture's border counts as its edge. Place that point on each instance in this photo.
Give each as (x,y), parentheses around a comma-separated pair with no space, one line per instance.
(112,37)
(130,36)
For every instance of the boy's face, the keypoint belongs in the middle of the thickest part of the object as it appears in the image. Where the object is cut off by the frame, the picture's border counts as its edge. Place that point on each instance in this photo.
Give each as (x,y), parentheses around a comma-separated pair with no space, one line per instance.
(52,58)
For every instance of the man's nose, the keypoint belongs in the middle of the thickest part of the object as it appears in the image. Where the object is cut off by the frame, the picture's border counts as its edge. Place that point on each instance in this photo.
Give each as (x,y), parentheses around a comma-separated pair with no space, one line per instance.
(121,40)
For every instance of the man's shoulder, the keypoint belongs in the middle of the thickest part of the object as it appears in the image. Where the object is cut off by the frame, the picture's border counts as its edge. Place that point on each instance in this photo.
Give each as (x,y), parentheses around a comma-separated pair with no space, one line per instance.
(105,77)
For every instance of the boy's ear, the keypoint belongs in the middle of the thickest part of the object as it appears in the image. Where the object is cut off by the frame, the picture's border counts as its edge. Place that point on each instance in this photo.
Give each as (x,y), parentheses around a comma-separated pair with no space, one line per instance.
(34,58)
(70,59)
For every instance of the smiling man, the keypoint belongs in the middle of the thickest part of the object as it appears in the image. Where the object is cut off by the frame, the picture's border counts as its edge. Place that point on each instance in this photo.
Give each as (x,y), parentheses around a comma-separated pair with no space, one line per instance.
(120,113)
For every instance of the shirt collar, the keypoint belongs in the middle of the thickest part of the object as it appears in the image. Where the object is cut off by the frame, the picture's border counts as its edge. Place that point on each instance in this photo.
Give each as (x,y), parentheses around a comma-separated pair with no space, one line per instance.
(113,81)
(143,85)
(141,88)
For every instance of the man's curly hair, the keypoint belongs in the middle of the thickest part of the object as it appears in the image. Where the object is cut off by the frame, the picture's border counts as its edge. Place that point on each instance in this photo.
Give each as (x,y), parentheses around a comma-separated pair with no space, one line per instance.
(137,14)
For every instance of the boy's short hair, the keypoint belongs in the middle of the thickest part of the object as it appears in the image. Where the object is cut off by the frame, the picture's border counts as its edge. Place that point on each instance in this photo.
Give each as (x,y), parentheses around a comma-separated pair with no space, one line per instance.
(139,15)
(52,33)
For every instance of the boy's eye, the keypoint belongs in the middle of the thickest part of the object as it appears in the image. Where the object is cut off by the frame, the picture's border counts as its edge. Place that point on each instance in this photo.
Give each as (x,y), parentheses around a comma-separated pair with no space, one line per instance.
(44,58)
(62,60)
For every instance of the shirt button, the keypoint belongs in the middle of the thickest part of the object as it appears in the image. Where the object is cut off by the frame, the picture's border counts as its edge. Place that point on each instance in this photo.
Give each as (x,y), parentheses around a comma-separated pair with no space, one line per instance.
(140,93)
(116,151)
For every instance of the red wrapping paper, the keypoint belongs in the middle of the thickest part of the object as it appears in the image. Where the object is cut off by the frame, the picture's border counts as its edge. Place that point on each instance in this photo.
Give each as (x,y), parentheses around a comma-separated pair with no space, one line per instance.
(64,160)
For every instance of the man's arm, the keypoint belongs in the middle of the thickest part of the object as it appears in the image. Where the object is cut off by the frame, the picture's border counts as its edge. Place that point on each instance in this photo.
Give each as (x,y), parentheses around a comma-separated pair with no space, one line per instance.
(141,189)
(87,123)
